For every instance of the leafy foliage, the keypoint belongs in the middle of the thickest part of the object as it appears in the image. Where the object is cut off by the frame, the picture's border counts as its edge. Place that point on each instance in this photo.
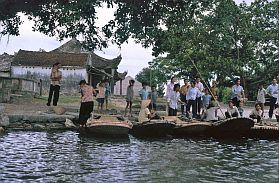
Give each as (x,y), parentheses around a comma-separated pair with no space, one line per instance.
(224,40)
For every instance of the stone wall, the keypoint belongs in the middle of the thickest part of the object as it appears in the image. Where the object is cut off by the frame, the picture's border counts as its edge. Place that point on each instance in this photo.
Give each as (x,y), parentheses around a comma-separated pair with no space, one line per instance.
(13,85)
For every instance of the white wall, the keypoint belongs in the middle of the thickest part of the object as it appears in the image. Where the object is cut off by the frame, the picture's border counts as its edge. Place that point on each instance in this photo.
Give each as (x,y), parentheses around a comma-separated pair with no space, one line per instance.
(22,70)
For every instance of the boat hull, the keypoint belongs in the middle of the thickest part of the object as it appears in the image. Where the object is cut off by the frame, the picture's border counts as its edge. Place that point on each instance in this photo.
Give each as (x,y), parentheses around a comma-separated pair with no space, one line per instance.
(232,128)
(155,128)
(193,129)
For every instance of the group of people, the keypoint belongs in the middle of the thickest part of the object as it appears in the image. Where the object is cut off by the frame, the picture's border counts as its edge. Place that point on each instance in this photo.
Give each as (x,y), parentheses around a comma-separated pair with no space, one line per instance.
(202,101)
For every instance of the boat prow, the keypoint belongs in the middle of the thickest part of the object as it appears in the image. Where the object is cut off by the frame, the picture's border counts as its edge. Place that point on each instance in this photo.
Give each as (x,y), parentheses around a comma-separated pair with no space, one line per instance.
(107,126)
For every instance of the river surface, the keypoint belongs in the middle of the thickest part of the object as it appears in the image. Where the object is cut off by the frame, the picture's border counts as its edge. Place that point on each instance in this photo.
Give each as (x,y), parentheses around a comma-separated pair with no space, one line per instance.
(66,157)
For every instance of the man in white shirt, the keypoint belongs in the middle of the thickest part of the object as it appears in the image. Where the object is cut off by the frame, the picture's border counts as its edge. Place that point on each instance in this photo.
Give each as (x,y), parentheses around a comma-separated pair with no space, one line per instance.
(272,91)
(173,100)
(191,97)
(199,85)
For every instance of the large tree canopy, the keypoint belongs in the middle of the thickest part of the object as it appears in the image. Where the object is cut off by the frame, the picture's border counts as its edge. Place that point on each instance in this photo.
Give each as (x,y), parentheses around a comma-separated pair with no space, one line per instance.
(221,38)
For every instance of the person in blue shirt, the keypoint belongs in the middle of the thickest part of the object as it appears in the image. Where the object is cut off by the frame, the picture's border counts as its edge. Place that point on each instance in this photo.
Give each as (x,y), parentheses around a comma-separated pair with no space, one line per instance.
(237,93)
(206,98)
(272,90)
(143,93)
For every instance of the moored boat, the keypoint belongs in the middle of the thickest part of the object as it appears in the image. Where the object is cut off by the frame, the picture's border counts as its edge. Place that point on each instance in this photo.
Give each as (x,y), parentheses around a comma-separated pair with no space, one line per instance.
(232,127)
(264,132)
(106,126)
(152,128)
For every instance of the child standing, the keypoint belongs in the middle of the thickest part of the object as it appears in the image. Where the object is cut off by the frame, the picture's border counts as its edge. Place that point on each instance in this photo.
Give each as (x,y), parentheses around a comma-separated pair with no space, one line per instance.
(143,93)
(172,101)
(206,98)
(153,97)
(240,108)
(101,96)
(261,97)
(129,96)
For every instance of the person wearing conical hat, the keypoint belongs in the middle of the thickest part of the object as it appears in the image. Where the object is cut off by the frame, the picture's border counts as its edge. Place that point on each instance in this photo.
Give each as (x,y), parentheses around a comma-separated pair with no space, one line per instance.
(144,114)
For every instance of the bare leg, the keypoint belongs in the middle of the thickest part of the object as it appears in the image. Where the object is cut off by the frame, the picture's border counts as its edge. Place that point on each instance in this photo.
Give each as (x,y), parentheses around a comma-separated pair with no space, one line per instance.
(130,108)
(127,105)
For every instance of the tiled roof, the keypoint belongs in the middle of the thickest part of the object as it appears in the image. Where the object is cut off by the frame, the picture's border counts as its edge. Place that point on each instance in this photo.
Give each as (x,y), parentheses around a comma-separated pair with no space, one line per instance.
(5,62)
(47,59)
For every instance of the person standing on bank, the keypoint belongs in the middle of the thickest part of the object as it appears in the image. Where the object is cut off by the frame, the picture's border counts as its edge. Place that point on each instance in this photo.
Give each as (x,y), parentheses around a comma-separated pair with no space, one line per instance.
(199,85)
(183,91)
(129,97)
(272,91)
(87,104)
(191,97)
(173,100)
(55,78)
(261,98)
(237,93)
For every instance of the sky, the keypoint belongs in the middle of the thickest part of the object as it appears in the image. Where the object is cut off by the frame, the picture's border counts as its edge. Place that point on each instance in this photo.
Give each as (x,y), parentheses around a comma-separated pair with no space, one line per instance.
(134,56)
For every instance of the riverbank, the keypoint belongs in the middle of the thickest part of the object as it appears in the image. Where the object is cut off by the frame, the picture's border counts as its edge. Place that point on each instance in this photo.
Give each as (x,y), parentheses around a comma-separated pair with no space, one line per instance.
(32,113)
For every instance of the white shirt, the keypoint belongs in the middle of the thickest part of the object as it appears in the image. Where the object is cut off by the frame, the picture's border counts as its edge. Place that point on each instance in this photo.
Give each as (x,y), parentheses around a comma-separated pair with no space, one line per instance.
(174,98)
(211,114)
(169,90)
(233,110)
(261,95)
(256,113)
(199,85)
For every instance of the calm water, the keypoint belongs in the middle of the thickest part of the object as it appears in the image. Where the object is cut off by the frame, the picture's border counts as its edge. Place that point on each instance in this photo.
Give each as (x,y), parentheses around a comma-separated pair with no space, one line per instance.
(65,157)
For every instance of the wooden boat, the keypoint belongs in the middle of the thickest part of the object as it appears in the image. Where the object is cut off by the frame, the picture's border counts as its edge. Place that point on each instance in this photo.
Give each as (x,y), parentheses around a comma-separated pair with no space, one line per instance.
(264,132)
(153,128)
(188,128)
(232,127)
(106,126)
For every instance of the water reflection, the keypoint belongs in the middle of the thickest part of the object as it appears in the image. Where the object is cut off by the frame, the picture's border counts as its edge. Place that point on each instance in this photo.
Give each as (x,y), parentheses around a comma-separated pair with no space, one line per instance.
(64,156)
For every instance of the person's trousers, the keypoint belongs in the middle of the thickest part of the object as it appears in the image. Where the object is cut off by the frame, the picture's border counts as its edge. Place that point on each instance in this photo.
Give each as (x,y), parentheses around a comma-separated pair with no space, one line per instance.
(172,112)
(236,102)
(199,104)
(54,90)
(272,106)
(183,99)
(84,112)
(192,103)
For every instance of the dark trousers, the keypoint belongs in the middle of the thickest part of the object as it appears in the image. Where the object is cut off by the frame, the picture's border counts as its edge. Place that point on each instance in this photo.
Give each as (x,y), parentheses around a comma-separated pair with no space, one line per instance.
(84,112)
(172,112)
(199,105)
(236,102)
(54,90)
(183,99)
(256,117)
(272,106)
(192,103)
(152,106)
(228,115)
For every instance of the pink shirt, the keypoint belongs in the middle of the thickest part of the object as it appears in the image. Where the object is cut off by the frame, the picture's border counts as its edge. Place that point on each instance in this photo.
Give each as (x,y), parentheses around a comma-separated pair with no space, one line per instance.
(87,93)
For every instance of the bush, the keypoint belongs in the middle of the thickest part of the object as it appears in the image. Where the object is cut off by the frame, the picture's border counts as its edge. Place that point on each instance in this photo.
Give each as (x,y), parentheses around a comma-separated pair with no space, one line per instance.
(225,94)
